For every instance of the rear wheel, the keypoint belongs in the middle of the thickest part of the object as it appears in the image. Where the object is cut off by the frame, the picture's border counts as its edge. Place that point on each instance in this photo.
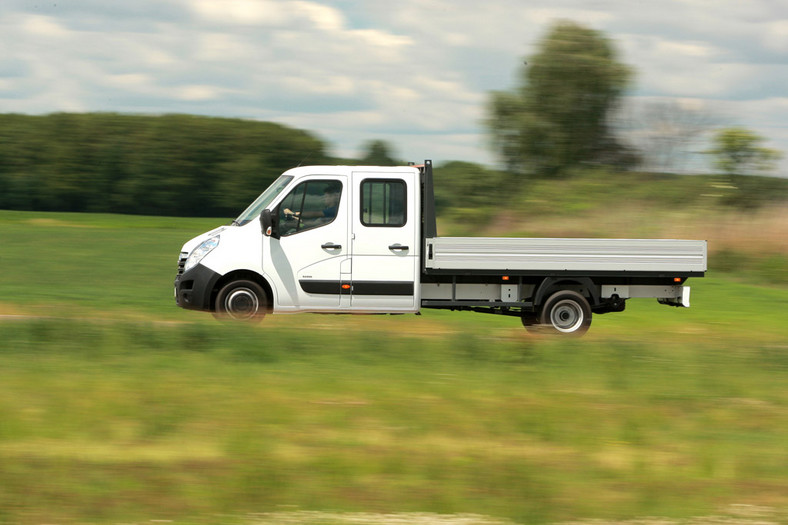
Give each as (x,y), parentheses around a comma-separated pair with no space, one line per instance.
(567,313)
(241,301)
(529,319)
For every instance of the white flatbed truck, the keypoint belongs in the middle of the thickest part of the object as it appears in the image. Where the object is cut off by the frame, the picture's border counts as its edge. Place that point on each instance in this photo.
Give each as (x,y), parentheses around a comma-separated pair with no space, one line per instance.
(363,239)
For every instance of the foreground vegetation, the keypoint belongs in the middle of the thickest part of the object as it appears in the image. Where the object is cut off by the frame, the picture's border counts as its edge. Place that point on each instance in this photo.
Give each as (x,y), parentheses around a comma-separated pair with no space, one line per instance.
(116,406)
(133,421)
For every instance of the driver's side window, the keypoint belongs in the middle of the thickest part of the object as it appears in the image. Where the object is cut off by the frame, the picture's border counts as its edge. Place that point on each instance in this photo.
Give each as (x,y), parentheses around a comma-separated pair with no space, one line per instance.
(309,205)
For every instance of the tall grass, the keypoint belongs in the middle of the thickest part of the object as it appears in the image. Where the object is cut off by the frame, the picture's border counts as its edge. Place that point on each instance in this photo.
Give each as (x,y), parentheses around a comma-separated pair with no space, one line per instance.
(105,421)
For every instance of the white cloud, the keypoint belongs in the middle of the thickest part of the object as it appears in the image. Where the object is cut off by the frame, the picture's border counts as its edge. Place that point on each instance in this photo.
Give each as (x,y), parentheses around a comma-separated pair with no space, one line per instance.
(297,15)
(242,12)
(130,81)
(158,57)
(197,93)
(329,85)
(380,39)
(775,37)
(321,16)
(41,26)
(694,50)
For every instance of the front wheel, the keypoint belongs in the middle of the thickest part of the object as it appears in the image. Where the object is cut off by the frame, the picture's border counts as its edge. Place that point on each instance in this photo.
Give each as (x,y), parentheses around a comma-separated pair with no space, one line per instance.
(567,313)
(241,301)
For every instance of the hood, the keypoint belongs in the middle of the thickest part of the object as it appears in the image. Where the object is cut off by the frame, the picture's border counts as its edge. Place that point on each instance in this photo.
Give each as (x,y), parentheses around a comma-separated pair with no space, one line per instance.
(195,242)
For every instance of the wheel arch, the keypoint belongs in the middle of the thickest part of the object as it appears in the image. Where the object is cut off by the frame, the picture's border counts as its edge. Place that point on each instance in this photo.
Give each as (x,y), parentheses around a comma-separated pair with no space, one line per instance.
(238,275)
(549,285)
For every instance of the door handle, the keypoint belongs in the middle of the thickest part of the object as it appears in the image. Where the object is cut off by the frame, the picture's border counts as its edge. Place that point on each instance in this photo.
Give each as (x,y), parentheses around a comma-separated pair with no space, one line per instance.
(331,246)
(398,247)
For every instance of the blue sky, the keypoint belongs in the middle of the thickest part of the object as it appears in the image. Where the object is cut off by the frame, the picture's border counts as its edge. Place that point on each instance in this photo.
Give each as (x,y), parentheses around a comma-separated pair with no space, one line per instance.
(416,73)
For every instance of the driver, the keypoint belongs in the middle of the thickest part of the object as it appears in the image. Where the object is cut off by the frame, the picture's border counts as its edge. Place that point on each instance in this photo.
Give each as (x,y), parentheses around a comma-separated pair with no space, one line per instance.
(330,204)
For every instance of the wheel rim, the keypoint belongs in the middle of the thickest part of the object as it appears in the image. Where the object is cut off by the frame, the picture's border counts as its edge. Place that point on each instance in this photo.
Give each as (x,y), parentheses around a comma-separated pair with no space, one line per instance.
(566,316)
(241,303)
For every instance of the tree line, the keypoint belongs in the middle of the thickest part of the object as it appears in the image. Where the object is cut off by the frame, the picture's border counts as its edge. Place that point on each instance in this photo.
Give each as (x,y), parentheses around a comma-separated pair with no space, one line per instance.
(162,165)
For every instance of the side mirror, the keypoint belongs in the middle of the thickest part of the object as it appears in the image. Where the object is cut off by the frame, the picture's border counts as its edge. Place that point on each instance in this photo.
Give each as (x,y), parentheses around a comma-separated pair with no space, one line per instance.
(268,224)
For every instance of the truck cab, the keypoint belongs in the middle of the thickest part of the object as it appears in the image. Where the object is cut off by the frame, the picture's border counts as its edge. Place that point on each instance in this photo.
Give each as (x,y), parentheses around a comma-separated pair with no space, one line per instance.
(337,239)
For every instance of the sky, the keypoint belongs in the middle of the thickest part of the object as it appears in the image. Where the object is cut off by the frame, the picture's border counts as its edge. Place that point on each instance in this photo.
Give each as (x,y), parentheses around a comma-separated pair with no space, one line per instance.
(415,73)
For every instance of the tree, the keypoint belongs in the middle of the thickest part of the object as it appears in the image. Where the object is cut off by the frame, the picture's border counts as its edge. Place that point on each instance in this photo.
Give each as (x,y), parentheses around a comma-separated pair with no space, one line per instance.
(378,153)
(738,151)
(667,133)
(559,117)
(738,154)
(470,193)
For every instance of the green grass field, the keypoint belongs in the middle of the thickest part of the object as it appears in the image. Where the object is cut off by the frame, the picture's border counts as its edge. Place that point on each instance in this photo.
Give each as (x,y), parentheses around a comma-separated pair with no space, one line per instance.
(118,407)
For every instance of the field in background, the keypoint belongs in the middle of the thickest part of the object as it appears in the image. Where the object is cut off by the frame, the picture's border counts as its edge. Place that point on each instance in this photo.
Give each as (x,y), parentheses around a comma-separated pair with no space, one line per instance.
(116,406)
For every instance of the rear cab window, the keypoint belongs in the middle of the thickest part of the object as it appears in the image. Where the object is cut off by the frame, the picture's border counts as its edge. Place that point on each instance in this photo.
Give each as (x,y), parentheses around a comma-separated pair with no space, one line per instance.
(383,203)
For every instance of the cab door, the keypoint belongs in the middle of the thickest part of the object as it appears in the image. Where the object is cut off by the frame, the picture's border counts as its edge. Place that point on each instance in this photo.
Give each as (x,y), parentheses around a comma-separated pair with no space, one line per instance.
(385,244)
(313,249)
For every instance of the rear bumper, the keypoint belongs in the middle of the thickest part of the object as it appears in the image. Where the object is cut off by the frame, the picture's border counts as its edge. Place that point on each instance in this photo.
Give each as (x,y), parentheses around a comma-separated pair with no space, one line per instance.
(194,288)
(682,299)
(673,295)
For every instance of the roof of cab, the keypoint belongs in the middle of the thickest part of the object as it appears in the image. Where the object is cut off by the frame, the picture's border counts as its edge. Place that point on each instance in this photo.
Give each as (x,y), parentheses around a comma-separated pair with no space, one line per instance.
(346,170)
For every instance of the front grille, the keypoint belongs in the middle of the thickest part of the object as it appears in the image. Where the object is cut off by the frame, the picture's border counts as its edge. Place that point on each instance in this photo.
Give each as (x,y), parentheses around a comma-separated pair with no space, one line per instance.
(182,262)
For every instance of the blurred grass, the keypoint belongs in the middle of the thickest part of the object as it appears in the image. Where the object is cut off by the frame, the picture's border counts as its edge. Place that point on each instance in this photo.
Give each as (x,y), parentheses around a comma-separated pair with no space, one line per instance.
(132,421)
(116,406)
(62,262)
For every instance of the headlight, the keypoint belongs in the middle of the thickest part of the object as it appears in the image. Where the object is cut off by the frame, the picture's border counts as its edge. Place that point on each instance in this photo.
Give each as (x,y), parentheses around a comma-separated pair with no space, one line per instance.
(199,252)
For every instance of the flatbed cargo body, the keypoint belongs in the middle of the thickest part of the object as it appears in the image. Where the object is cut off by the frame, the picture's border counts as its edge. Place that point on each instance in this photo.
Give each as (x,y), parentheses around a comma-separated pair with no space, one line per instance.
(530,256)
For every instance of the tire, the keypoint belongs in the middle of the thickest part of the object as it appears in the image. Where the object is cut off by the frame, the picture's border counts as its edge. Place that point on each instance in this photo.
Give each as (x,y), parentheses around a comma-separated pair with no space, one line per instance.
(529,319)
(565,313)
(241,301)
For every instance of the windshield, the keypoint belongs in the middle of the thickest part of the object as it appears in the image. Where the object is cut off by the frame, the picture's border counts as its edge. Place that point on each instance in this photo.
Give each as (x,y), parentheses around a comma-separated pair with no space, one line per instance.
(263,200)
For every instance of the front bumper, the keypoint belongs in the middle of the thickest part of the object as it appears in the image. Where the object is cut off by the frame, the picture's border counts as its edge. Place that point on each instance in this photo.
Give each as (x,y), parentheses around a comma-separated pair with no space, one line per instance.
(194,288)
